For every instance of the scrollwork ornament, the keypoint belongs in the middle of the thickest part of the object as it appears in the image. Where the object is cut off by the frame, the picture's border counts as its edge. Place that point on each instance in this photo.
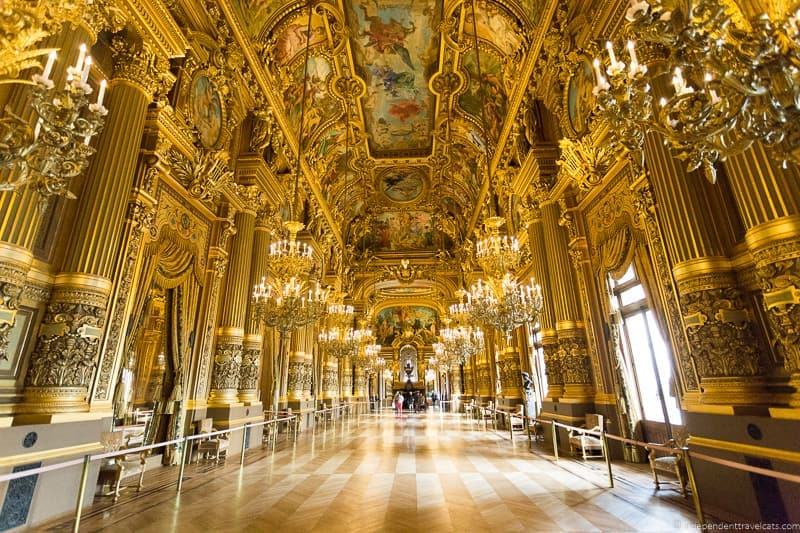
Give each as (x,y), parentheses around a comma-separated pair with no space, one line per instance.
(227,362)
(575,362)
(248,372)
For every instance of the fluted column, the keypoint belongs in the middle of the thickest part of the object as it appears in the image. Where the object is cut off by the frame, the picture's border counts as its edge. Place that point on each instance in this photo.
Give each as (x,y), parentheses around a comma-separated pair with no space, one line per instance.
(253,339)
(717,316)
(65,356)
(539,267)
(483,368)
(768,200)
(230,333)
(510,371)
(572,357)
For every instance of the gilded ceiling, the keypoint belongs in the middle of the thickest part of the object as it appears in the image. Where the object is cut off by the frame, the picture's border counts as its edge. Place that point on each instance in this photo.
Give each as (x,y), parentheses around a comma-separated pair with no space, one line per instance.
(405,175)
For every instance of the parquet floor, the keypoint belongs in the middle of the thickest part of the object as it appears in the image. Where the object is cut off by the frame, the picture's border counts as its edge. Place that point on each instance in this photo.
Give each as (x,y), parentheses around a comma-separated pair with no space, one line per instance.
(418,473)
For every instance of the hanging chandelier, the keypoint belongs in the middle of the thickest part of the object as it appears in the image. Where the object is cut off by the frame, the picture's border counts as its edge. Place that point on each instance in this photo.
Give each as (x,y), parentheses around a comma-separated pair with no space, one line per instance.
(496,253)
(732,82)
(461,341)
(338,342)
(289,306)
(501,303)
(290,299)
(505,304)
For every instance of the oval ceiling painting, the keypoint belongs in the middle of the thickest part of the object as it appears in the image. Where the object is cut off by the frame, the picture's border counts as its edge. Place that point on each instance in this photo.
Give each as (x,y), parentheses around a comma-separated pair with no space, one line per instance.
(402,185)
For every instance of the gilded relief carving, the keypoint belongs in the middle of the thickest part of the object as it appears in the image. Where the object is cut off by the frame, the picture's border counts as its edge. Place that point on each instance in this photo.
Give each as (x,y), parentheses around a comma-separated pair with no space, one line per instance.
(719,328)
(227,363)
(574,358)
(248,372)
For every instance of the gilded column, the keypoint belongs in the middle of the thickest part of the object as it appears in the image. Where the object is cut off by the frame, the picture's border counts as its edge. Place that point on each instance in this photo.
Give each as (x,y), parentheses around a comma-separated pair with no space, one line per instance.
(768,199)
(330,381)
(725,349)
(572,356)
(455,380)
(296,385)
(230,333)
(469,378)
(510,372)
(483,368)
(360,385)
(253,339)
(65,356)
(21,210)
(346,378)
(532,216)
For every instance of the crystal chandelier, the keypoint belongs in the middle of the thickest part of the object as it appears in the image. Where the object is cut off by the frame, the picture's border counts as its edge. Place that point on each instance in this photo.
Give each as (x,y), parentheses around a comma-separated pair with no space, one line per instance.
(733,82)
(496,253)
(462,341)
(338,342)
(290,258)
(58,148)
(288,307)
(505,304)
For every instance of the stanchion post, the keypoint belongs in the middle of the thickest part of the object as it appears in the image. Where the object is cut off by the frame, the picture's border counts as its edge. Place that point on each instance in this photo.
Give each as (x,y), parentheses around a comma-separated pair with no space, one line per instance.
(607,455)
(244,442)
(511,427)
(274,434)
(693,483)
(87,459)
(184,457)
(555,439)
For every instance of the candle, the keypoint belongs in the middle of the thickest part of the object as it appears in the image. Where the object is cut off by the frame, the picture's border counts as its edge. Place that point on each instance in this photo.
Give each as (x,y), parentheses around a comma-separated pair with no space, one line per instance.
(87,66)
(102,93)
(602,84)
(87,139)
(48,68)
(611,55)
(634,59)
(37,129)
(81,56)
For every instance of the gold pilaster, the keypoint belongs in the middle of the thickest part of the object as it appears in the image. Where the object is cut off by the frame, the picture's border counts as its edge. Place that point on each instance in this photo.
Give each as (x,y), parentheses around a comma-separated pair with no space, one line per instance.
(230,334)
(253,341)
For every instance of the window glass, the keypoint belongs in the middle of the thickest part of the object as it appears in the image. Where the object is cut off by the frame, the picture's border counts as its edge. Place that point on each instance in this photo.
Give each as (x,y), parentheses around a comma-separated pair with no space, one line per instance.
(636,329)
(664,364)
(633,295)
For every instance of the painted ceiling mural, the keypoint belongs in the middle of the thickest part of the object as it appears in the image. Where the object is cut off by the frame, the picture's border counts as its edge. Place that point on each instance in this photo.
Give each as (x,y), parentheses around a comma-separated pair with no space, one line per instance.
(396,50)
(406,187)
(405,321)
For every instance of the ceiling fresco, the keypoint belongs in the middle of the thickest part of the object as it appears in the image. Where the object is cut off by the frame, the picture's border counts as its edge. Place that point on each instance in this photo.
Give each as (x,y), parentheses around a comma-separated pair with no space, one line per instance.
(395,50)
(414,169)
(401,322)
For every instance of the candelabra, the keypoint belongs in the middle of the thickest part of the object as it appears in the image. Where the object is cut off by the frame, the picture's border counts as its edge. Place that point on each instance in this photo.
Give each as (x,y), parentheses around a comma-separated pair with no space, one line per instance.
(290,258)
(57,149)
(462,342)
(496,253)
(288,307)
(338,342)
(733,82)
(505,304)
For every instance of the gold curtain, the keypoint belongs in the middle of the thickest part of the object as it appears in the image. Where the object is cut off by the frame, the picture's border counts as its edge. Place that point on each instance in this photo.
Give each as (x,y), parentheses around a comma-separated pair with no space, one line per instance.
(616,252)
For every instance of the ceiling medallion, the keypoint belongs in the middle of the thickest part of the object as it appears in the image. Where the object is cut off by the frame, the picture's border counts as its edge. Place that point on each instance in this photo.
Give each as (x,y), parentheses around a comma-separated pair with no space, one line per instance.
(402,185)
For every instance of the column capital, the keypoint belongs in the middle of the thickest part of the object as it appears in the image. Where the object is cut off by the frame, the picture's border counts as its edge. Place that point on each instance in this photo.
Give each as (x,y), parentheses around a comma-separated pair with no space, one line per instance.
(140,66)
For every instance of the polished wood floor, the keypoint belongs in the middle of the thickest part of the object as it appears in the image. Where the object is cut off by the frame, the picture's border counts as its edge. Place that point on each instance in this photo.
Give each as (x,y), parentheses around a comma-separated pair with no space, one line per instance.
(421,472)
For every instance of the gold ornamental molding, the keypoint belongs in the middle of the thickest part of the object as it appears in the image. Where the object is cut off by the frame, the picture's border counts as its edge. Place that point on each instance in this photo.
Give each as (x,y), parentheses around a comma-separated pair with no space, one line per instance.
(780,229)
(152,18)
(702,266)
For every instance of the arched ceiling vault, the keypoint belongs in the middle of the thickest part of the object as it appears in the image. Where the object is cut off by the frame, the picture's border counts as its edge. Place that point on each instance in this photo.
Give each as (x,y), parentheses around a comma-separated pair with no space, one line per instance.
(393,136)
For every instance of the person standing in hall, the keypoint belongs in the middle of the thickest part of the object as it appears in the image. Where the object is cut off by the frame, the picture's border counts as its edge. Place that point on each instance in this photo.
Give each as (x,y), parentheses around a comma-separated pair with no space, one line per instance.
(398,403)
